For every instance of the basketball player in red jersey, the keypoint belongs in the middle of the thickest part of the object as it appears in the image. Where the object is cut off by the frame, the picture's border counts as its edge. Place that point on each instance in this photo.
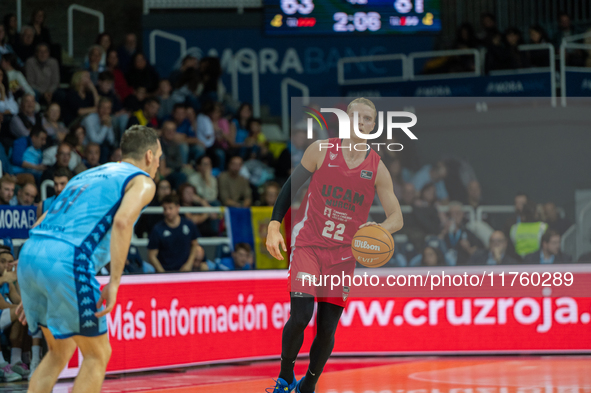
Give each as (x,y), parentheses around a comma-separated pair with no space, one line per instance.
(337,202)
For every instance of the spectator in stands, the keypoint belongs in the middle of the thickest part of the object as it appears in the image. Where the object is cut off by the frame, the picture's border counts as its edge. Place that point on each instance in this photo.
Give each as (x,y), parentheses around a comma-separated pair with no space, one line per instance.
(431,256)
(25,46)
(26,194)
(105,41)
(234,189)
(549,251)
(574,57)
(9,301)
(238,126)
(457,237)
(465,39)
(11,28)
(435,174)
(82,97)
(210,87)
(395,167)
(43,73)
(76,138)
(185,88)
(92,155)
(99,128)
(554,221)
(179,117)
(121,87)
(55,128)
(206,134)
(142,74)
(27,156)
(519,202)
(17,81)
(62,160)
(5,47)
(94,66)
(7,184)
(514,38)
(126,52)
(242,258)
(173,244)
(147,115)
(270,193)
(223,137)
(496,253)
(22,124)
(8,105)
(171,150)
(165,98)
(541,57)
(189,61)
(203,180)
(256,140)
(61,177)
(134,101)
(147,221)
(526,235)
(488,25)
(41,32)
(474,194)
(105,89)
(115,155)
(207,223)
(409,194)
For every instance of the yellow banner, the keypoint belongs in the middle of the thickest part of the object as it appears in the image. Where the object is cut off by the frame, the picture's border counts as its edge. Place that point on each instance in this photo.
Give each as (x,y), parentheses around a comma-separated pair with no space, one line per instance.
(261,215)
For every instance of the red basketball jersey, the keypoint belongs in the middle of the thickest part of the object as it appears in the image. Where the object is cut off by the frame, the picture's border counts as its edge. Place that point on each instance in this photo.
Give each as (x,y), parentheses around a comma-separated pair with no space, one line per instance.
(337,201)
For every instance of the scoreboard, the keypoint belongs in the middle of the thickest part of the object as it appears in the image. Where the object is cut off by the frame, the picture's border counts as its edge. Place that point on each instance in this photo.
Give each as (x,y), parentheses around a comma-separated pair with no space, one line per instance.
(346,17)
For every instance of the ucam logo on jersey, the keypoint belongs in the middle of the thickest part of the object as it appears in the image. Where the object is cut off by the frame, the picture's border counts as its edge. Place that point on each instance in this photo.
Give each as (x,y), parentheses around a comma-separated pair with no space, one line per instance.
(344,121)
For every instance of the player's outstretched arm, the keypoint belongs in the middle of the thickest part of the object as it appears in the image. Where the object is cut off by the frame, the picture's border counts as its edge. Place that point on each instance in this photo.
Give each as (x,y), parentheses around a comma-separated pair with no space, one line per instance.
(385,190)
(139,192)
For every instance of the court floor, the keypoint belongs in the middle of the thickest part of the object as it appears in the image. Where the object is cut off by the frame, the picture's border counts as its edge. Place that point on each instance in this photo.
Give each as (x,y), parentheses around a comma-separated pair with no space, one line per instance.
(540,374)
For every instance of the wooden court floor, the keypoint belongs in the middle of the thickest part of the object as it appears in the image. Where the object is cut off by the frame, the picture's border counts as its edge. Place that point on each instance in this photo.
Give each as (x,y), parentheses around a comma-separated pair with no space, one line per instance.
(542,374)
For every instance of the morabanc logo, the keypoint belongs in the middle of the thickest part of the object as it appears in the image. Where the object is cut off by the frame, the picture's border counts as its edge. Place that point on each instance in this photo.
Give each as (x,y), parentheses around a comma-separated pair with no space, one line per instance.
(345,127)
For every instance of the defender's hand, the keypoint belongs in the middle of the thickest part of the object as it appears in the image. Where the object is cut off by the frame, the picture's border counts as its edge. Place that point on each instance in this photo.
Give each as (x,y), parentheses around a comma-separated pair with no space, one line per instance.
(274,239)
(20,313)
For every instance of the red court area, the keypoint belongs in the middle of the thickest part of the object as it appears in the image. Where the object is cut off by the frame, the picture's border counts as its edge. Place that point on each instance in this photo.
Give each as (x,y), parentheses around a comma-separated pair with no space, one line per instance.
(540,374)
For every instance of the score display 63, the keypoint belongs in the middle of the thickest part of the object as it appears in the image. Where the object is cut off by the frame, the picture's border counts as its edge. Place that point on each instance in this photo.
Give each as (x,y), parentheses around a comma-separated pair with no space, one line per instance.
(351,16)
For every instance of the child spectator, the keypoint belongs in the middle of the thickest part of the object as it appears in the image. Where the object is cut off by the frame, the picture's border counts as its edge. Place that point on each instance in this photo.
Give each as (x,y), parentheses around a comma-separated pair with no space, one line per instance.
(242,259)
(134,101)
(31,159)
(105,89)
(165,98)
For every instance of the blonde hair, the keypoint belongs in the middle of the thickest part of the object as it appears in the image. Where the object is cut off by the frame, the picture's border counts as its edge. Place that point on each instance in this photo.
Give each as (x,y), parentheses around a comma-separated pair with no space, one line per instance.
(364,101)
(75,81)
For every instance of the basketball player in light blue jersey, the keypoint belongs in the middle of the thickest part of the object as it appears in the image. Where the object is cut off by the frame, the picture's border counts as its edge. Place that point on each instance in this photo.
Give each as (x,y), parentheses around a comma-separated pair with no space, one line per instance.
(87,226)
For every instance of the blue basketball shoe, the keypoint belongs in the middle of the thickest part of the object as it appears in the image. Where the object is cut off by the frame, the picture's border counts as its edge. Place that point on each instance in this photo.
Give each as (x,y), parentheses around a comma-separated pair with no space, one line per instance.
(281,386)
(297,388)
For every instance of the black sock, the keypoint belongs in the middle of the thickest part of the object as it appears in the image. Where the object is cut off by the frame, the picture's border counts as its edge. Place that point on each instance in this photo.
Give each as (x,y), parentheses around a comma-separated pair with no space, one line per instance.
(301,312)
(327,321)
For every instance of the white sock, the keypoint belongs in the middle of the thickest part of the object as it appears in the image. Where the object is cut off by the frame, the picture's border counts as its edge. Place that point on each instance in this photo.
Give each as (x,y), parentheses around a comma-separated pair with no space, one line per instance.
(15,355)
(36,353)
(2,360)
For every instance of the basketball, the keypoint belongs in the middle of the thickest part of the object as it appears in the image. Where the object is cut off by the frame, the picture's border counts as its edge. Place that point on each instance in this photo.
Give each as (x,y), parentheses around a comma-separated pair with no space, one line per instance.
(372,246)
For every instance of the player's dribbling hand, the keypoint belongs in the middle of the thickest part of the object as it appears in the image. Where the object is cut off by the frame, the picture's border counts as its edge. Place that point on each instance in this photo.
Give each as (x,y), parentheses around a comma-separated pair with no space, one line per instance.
(20,314)
(368,224)
(274,239)
(108,295)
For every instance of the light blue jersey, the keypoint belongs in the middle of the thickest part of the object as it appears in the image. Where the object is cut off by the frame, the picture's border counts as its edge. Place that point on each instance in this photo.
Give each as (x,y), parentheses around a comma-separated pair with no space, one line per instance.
(83,212)
(58,264)
(47,202)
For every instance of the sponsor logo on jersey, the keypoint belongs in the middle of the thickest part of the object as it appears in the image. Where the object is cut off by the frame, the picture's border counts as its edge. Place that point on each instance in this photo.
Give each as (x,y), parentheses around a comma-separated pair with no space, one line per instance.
(333,155)
(345,293)
(366,175)
(186,230)
(344,195)
(166,233)
(363,244)
(327,211)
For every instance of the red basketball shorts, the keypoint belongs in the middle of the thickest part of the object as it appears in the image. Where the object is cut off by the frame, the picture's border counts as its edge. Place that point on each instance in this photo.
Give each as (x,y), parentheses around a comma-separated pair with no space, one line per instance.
(314,271)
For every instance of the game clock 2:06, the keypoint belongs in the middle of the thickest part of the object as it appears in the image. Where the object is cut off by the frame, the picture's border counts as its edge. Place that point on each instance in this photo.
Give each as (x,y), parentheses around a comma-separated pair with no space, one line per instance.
(361,21)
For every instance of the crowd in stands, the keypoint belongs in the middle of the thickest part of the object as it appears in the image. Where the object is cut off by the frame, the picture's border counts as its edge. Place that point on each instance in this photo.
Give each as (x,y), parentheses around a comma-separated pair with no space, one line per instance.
(214,150)
(501,47)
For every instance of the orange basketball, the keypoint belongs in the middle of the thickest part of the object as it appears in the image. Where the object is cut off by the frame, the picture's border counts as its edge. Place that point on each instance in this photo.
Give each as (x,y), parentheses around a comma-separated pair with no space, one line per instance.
(372,246)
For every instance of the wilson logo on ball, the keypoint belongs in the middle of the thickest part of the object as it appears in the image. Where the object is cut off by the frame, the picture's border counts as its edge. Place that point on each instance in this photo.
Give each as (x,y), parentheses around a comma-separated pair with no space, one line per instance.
(365,245)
